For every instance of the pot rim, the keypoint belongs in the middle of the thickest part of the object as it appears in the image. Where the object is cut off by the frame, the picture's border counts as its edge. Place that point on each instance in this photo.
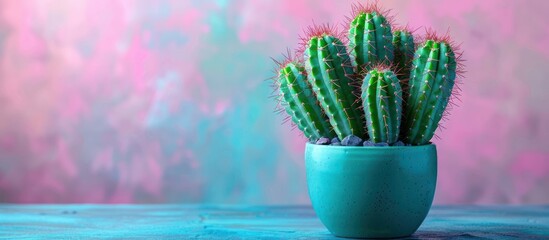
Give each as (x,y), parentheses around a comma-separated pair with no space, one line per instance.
(354,148)
(370,150)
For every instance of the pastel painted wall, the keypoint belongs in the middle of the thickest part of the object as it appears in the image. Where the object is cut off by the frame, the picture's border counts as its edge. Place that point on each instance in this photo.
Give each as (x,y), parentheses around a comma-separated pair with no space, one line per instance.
(165,101)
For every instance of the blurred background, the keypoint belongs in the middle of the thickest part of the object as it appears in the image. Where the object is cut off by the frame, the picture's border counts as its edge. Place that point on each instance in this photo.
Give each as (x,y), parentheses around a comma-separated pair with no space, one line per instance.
(165,101)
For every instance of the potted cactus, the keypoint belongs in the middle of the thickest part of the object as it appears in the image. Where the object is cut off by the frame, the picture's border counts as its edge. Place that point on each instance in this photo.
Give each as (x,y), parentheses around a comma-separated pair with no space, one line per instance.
(369,100)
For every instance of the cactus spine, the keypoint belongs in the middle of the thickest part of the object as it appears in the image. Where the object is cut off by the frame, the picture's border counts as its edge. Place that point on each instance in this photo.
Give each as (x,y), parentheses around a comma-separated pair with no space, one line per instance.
(431,83)
(301,104)
(370,38)
(382,102)
(330,73)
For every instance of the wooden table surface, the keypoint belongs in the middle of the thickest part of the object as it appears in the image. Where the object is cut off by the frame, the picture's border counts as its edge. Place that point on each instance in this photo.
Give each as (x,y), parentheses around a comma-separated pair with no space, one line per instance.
(254,222)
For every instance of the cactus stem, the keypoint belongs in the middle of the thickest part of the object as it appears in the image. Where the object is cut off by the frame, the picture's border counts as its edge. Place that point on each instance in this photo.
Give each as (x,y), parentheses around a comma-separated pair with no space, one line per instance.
(436,66)
(370,36)
(297,99)
(382,100)
(330,72)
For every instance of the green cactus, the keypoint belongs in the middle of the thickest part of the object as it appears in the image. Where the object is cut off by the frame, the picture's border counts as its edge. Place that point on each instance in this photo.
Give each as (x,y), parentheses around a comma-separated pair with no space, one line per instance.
(431,83)
(382,102)
(301,104)
(331,75)
(403,42)
(405,92)
(370,38)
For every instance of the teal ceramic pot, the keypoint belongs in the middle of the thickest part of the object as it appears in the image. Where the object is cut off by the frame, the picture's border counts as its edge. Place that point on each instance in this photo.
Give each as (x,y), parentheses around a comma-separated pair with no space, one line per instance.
(371,192)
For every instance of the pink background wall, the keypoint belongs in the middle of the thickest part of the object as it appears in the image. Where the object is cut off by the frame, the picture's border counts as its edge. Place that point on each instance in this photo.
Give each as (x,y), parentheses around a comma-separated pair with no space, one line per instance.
(164,101)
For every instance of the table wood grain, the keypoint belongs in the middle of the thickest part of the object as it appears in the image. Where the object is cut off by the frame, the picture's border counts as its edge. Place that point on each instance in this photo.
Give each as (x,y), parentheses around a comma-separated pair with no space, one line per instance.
(83,221)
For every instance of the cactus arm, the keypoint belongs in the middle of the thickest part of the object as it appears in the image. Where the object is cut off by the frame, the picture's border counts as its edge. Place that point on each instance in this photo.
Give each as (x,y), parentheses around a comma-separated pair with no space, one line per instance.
(384,38)
(301,104)
(418,68)
(328,67)
(403,42)
(434,97)
(345,82)
(317,65)
(370,40)
(426,84)
(442,94)
(431,82)
(362,40)
(382,99)
(357,35)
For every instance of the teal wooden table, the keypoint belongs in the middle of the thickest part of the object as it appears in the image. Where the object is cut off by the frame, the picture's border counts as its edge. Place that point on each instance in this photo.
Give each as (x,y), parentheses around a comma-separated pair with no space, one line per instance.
(254,222)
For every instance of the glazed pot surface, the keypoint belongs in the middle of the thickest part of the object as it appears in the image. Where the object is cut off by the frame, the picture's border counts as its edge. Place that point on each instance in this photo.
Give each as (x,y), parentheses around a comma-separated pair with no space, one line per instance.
(371,192)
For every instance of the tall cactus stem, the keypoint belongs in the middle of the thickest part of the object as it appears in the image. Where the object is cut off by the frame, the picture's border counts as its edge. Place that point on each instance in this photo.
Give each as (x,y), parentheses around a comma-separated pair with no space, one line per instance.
(331,74)
(432,81)
(370,37)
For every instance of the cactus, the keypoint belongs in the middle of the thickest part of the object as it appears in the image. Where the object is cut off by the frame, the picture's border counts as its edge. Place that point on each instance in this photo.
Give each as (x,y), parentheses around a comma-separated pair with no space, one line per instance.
(404,47)
(301,105)
(331,74)
(380,87)
(370,37)
(431,83)
(382,102)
